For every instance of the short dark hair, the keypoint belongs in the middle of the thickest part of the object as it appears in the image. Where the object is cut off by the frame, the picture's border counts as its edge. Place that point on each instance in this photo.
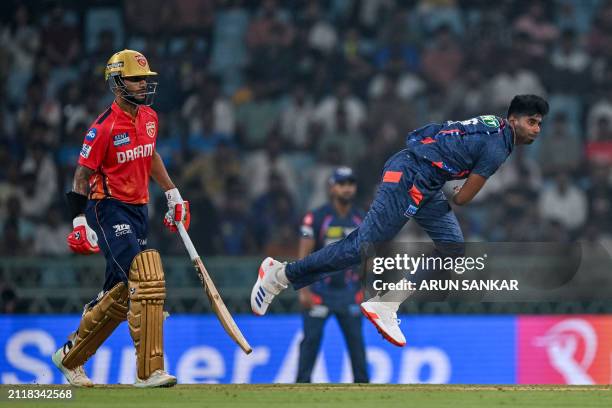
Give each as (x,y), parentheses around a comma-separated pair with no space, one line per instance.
(527,105)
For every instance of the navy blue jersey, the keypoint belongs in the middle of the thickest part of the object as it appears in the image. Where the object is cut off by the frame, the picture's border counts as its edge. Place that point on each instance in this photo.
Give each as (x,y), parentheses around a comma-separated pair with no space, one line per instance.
(325,226)
(478,145)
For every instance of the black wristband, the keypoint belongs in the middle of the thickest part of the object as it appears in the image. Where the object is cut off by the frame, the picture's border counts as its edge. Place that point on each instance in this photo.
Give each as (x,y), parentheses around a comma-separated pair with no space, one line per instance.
(76,203)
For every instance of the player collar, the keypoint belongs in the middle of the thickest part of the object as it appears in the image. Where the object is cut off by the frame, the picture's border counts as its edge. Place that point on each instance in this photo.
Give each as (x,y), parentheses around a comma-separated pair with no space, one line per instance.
(117,109)
(508,133)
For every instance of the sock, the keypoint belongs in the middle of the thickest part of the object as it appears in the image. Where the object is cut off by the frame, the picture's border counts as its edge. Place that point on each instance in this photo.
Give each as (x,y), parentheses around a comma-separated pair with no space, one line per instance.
(393,298)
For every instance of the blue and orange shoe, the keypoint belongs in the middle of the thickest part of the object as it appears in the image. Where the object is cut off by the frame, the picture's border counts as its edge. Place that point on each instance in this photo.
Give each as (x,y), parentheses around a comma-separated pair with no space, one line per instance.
(271,280)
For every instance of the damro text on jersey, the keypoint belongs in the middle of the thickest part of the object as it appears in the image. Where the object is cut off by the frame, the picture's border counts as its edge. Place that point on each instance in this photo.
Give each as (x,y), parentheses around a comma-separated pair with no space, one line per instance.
(135,153)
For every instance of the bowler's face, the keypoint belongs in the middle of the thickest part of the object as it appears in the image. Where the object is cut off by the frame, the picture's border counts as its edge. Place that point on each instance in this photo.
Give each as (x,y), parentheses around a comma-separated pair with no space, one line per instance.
(526,128)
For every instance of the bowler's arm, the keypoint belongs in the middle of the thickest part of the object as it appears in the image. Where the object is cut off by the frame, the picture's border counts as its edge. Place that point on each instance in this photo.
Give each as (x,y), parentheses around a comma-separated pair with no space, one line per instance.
(469,189)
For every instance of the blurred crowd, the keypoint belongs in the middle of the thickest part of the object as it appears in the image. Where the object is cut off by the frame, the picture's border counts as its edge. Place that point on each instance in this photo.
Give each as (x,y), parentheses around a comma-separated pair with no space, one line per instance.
(259,100)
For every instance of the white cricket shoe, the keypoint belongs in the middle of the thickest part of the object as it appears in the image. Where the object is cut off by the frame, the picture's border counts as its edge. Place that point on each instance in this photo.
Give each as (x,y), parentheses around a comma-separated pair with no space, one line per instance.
(76,376)
(271,281)
(159,378)
(385,320)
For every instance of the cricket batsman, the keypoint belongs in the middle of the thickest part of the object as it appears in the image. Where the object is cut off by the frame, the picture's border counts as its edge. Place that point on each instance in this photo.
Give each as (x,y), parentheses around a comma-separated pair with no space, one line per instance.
(108,203)
(411,185)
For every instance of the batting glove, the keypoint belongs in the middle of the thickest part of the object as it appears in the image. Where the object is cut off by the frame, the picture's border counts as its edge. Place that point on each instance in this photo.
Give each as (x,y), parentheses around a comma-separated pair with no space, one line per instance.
(178,210)
(82,239)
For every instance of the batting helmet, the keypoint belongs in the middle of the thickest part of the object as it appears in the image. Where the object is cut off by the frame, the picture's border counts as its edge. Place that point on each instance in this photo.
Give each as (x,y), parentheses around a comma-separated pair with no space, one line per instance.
(130,64)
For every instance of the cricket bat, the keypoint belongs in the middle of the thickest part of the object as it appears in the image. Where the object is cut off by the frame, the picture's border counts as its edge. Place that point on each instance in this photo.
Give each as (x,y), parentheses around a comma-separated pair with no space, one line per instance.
(224,316)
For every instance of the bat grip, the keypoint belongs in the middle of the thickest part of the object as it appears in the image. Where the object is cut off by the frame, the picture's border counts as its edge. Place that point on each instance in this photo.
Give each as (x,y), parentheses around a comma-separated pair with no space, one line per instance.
(193,254)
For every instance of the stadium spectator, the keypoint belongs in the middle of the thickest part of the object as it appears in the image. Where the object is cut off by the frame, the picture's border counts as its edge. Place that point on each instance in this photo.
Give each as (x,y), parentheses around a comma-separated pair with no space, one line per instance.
(50,236)
(442,59)
(261,163)
(274,219)
(21,40)
(351,142)
(565,203)
(599,193)
(252,88)
(212,170)
(559,150)
(296,118)
(513,79)
(8,299)
(236,234)
(326,110)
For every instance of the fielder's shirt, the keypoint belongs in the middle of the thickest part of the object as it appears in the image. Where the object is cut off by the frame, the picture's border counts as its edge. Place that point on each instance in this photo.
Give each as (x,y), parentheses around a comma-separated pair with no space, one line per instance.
(326,226)
(119,149)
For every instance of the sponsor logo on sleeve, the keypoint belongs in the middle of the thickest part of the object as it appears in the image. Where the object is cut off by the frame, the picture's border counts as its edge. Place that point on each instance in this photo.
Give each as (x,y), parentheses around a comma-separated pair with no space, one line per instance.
(151,129)
(121,139)
(85,150)
(91,134)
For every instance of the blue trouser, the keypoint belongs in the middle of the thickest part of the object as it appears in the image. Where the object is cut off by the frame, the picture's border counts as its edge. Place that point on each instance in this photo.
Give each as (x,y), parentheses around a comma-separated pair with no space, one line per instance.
(122,233)
(392,207)
(349,319)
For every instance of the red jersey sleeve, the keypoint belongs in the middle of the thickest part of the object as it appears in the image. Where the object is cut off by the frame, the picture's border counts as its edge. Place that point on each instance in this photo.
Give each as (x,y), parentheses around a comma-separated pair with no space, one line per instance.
(95,143)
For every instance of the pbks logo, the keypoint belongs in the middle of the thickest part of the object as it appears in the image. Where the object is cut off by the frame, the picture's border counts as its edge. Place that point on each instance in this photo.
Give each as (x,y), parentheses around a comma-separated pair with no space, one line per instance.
(151,129)
(142,61)
(135,153)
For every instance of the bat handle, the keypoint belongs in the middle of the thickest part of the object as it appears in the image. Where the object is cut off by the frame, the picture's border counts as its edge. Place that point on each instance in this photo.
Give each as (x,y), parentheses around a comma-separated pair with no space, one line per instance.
(193,254)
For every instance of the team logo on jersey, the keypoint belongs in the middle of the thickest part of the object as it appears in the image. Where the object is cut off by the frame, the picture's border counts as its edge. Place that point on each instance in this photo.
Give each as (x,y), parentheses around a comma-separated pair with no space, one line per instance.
(141,60)
(85,150)
(121,139)
(489,120)
(151,129)
(91,134)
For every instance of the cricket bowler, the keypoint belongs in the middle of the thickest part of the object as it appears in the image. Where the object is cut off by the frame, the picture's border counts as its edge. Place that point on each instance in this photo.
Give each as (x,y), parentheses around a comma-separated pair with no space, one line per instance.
(108,203)
(411,185)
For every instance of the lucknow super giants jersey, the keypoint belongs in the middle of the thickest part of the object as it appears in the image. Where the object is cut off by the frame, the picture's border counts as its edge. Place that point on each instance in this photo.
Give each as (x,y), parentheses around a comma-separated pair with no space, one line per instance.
(119,149)
(325,226)
(478,145)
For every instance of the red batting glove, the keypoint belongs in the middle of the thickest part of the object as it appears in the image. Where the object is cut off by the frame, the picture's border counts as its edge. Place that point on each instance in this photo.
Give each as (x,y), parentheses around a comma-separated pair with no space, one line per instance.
(82,239)
(180,213)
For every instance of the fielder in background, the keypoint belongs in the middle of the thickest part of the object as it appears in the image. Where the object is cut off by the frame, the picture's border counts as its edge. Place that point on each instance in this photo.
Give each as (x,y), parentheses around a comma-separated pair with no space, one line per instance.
(108,203)
(411,187)
(339,294)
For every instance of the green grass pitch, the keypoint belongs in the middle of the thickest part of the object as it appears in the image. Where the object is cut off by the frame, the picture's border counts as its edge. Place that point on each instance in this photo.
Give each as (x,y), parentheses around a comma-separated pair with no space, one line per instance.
(323,395)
